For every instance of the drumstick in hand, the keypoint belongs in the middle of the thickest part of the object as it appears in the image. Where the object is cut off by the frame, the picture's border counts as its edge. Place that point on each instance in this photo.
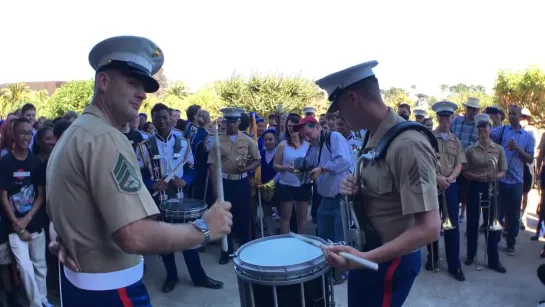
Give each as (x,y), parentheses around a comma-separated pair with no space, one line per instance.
(219,184)
(363,262)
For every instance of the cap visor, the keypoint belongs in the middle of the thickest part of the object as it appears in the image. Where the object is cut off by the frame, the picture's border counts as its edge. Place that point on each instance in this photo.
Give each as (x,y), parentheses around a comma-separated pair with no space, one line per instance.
(150,84)
(297,127)
(333,107)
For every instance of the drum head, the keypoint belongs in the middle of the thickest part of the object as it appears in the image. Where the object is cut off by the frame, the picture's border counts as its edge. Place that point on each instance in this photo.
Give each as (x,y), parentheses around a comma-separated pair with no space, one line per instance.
(280,260)
(280,252)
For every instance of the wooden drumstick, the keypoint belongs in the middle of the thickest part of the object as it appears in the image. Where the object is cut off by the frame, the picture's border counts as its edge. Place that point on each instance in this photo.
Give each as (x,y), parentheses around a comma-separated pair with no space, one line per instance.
(219,180)
(363,262)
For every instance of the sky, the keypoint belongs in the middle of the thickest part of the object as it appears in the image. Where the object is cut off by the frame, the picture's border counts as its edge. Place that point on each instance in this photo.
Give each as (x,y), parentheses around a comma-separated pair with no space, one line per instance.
(425,43)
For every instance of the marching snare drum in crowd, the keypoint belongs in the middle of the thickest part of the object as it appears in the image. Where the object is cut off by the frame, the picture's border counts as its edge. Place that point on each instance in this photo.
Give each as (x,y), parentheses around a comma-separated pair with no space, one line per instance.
(182,210)
(282,271)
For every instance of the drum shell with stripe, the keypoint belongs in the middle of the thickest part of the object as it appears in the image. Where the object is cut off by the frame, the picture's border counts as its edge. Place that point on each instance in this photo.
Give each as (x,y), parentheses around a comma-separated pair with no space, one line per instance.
(283,270)
(182,210)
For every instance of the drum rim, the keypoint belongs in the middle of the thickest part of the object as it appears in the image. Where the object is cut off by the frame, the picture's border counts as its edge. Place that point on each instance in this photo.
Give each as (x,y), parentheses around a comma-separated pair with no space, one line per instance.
(280,275)
(188,213)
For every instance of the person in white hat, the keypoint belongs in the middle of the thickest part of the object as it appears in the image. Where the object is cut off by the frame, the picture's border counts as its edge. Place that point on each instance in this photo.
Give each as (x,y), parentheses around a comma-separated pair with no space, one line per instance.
(529,169)
(464,129)
(419,115)
(400,196)
(99,205)
(519,146)
(451,158)
(309,111)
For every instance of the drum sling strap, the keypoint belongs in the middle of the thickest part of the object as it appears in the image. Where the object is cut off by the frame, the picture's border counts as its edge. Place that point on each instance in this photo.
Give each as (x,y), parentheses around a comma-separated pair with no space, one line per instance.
(372,238)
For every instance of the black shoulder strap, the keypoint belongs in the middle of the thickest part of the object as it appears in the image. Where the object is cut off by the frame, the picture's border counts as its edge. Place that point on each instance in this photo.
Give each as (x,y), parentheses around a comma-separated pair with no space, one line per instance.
(500,137)
(153,145)
(177,143)
(382,147)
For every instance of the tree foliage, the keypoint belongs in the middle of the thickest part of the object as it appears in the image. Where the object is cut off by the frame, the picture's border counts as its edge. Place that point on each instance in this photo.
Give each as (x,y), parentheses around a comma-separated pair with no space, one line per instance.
(395,96)
(71,96)
(524,88)
(262,93)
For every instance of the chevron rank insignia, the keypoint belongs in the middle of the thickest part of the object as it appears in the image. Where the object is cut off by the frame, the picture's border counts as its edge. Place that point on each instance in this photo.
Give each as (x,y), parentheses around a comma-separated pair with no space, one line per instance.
(125,176)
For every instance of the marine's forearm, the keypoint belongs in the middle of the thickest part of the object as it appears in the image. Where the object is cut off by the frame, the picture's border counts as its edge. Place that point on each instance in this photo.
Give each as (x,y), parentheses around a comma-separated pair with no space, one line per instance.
(151,237)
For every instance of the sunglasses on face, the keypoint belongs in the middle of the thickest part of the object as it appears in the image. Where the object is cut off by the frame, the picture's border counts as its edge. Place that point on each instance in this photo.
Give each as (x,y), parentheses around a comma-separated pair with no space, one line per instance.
(472,109)
(482,126)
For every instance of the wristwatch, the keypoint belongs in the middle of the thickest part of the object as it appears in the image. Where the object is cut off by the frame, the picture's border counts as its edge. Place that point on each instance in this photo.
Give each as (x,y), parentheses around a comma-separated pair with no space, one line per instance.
(202,226)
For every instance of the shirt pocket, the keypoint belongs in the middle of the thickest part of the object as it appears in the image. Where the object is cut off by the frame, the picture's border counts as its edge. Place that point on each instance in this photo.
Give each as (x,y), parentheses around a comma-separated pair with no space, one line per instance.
(377,179)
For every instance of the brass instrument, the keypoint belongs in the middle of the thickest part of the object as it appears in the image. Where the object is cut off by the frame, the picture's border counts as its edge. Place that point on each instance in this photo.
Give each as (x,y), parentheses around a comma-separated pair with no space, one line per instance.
(267,190)
(353,236)
(447,224)
(158,171)
(490,203)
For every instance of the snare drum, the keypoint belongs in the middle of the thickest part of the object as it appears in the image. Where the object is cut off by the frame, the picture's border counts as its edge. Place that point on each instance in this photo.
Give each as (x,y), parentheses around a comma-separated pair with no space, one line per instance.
(182,210)
(281,271)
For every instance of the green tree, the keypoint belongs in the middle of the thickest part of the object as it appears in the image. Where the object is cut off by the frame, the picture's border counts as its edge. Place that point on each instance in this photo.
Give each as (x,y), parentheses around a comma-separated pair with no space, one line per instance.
(460,92)
(71,96)
(524,88)
(13,97)
(394,96)
(262,93)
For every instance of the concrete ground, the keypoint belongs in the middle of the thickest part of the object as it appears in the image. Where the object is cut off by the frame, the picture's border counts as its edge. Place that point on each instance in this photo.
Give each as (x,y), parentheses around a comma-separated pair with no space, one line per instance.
(519,287)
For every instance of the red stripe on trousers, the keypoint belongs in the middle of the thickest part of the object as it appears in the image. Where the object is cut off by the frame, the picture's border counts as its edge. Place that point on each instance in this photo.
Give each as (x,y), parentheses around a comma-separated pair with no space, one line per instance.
(387,298)
(125,300)
(250,225)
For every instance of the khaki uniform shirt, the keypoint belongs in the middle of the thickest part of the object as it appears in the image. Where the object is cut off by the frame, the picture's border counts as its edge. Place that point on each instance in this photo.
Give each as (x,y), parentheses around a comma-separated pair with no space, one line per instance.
(402,184)
(451,152)
(95,188)
(242,151)
(478,156)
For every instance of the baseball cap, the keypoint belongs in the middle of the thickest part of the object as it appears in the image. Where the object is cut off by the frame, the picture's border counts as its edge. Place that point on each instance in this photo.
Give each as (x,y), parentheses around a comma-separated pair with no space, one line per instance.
(303,122)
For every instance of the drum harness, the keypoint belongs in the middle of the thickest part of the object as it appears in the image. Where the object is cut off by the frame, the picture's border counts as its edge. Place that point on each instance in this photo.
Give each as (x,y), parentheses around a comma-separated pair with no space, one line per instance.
(366,238)
(153,151)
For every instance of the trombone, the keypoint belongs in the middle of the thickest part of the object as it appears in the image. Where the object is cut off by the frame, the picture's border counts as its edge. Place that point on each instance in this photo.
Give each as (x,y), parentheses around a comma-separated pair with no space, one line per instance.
(353,235)
(490,203)
(445,225)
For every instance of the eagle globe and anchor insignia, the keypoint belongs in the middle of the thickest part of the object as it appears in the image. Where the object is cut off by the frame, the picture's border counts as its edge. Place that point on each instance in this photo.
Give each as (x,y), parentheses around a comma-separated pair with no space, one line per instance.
(125,176)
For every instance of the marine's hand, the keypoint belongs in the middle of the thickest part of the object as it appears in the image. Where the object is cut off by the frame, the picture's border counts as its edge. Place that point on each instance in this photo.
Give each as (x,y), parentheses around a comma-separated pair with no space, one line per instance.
(57,249)
(179,183)
(331,253)
(349,186)
(219,220)
(442,182)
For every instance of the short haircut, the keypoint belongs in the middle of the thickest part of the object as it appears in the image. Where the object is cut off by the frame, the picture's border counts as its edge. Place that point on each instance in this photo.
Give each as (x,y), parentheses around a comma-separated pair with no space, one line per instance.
(244,122)
(191,111)
(27,107)
(160,107)
(19,121)
(368,88)
(70,114)
(404,105)
(61,126)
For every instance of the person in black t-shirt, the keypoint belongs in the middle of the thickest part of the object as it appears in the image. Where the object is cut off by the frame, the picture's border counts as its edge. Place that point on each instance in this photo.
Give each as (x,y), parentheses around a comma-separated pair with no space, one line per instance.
(130,130)
(21,192)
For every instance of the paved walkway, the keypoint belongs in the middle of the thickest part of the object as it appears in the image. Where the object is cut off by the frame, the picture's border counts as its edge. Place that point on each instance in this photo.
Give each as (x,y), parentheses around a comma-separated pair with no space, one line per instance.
(519,287)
